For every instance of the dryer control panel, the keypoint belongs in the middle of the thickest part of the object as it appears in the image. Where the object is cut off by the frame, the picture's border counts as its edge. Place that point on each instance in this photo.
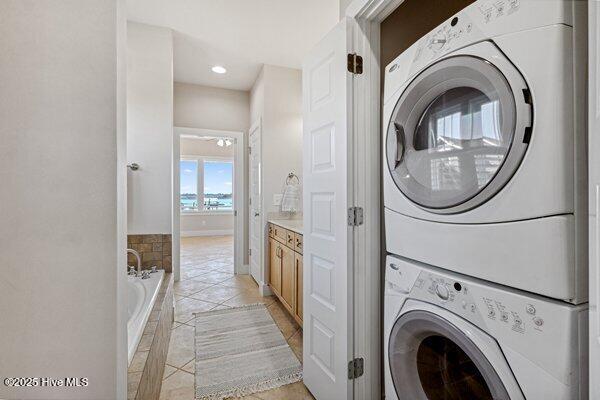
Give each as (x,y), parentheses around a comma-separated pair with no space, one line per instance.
(480,21)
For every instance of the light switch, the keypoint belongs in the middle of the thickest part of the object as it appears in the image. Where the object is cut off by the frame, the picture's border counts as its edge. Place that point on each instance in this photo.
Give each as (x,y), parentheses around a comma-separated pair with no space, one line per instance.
(277,199)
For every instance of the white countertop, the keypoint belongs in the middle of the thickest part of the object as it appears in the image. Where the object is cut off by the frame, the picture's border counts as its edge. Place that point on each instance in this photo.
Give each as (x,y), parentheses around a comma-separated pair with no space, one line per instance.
(294,225)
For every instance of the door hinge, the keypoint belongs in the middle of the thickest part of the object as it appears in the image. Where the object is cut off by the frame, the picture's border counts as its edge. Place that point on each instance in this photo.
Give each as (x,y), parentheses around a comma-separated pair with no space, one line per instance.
(249,252)
(356,368)
(249,150)
(235,213)
(355,216)
(355,64)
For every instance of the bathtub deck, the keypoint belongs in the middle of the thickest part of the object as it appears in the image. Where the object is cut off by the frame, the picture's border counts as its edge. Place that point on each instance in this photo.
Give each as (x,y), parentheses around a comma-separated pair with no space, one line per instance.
(208,283)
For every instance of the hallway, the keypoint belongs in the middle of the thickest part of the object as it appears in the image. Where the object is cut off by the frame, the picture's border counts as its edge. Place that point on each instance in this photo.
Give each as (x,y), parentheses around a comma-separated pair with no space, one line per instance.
(208,283)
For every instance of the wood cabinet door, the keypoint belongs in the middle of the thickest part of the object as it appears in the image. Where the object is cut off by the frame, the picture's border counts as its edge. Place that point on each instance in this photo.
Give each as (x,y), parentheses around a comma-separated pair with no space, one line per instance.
(275,266)
(287,277)
(298,288)
(280,233)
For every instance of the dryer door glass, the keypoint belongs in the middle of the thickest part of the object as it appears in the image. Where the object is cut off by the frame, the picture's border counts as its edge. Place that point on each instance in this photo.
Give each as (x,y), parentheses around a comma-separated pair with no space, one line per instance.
(452,131)
(431,359)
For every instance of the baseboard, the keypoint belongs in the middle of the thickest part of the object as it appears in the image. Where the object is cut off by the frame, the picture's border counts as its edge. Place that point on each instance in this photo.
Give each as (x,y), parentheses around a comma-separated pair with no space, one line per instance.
(244,270)
(264,289)
(221,232)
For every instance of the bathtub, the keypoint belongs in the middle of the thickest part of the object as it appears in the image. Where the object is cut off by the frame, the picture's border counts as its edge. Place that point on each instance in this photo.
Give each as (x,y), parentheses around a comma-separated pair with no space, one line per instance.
(141,294)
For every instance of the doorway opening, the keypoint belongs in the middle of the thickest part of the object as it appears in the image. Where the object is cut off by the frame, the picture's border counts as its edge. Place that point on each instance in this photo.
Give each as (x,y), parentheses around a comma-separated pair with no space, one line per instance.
(208,203)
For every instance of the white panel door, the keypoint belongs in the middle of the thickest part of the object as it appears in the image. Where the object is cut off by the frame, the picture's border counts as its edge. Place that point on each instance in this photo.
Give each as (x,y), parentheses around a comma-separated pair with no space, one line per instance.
(327,93)
(255,218)
(594,195)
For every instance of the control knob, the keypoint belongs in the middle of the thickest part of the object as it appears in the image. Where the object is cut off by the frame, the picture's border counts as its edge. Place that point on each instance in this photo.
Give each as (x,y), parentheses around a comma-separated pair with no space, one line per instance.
(437,42)
(442,291)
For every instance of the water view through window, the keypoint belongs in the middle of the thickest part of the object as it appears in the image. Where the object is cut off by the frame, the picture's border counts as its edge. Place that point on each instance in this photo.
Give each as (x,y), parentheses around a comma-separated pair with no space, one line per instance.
(215,177)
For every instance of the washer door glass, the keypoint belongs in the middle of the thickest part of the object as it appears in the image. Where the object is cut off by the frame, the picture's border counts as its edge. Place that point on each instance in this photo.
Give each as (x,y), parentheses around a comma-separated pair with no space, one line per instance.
(431,359)
(451,132)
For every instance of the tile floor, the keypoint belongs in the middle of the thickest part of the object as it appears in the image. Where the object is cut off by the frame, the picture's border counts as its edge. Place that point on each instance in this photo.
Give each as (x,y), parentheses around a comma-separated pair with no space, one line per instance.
(208,283)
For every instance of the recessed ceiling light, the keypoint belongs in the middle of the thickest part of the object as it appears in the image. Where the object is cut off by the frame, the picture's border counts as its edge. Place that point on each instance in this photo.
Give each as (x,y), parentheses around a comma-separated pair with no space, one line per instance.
(218,69)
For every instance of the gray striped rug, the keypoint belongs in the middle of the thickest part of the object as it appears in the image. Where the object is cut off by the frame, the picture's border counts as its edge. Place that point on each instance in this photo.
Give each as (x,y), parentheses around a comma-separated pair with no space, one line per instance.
(240,351)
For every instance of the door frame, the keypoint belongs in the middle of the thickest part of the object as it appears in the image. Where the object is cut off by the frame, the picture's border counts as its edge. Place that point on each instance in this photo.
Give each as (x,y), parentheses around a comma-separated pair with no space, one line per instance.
(369,247)
(594,196)
(263,285)
(239,183)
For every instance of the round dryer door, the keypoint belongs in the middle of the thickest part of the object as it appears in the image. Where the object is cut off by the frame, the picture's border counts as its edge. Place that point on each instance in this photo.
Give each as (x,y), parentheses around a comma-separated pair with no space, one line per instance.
(455,137)
(431,359)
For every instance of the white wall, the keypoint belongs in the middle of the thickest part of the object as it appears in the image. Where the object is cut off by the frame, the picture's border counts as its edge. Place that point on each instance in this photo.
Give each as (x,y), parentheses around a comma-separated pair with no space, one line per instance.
(211,108)
(205,107)
(276,99)
(202,224)
(343,6)
(149,128)
(61,159)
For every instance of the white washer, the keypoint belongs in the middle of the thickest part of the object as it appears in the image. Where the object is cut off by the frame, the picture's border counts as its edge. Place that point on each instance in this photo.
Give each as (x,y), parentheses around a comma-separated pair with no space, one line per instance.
(451,337)
(484,143)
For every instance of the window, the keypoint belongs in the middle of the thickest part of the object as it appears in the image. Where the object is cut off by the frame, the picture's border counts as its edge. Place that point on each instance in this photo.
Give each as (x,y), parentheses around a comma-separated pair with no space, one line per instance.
(214,177)
(188,183)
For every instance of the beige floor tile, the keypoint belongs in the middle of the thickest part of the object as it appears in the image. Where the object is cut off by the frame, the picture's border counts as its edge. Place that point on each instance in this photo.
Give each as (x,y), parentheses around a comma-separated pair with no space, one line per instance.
(286,323)
(169,370)
(138,361)
(295,391)
(217,294)
(185,273)
(145,342)
(249,297)
(185,308)
(241,281)
(133,381)
(181,346)
(221,307)
(179,386)
(190,367)
(189,286)
(295,343)
(213,277)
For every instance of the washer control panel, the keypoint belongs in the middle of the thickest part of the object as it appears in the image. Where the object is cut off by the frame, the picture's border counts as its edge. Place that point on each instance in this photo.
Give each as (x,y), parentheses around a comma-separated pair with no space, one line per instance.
(486,305)
(471,302)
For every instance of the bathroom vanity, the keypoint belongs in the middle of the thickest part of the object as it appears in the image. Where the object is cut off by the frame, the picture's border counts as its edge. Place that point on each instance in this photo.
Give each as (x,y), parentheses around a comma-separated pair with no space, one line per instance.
(285,264)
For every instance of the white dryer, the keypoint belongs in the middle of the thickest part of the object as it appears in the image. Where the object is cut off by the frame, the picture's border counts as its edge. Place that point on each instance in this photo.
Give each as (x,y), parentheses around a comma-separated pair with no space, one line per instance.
(484,143)
(450,337)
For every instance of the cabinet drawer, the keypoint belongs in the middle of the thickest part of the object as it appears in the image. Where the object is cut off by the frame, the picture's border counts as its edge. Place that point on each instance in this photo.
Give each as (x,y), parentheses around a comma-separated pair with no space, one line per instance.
(290,240)
(279,233)
(298,242)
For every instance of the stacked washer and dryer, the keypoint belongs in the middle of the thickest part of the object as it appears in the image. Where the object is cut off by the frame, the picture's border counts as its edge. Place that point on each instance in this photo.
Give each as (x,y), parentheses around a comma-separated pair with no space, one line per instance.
(485,207)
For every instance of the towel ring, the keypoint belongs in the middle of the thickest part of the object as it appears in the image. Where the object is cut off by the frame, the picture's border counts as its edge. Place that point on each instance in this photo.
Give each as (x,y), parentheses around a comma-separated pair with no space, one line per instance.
(290,177)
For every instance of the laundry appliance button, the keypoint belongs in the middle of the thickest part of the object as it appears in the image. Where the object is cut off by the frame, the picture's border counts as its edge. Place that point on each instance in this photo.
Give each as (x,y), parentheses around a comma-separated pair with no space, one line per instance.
(442,292)
(530,309)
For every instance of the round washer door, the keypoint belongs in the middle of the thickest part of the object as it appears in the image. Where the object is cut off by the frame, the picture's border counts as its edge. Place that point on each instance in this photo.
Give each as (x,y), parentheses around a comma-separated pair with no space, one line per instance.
(459,131)
(431,359)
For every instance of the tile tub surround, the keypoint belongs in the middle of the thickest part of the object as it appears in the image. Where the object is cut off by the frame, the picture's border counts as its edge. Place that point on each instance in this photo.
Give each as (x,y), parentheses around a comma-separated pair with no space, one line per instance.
(208,283)
(154,249)
(147,367)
